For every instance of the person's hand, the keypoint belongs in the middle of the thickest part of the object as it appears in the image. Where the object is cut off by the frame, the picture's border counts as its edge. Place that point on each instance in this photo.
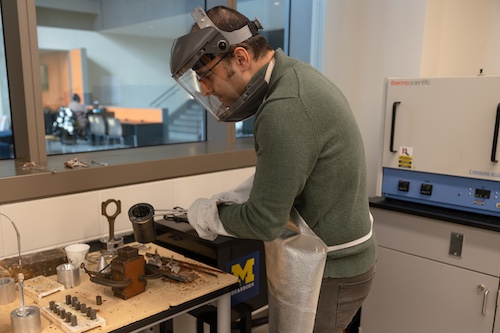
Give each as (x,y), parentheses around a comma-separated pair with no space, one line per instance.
(203,216)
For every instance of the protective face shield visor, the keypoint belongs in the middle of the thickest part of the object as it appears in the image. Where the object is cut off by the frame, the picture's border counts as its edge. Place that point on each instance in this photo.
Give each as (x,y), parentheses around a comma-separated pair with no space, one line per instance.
(196,54)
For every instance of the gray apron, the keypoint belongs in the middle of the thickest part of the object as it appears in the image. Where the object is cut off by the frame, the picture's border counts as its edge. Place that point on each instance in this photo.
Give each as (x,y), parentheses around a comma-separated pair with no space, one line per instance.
(294,266)
(295,262)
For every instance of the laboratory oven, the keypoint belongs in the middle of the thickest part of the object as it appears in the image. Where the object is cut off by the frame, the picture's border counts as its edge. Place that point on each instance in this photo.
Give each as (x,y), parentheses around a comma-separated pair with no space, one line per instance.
(440,143)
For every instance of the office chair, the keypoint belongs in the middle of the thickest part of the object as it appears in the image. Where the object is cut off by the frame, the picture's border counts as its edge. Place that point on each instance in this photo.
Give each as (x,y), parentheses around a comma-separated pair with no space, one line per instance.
(115,131)
(97,129)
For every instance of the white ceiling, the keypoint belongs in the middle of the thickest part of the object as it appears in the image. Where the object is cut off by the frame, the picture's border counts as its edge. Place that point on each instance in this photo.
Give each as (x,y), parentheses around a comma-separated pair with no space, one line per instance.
(169,28)
(270,13)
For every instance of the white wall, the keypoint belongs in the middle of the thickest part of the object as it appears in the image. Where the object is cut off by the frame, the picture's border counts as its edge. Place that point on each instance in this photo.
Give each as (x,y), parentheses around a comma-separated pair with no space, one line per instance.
(367,41)
(461,37)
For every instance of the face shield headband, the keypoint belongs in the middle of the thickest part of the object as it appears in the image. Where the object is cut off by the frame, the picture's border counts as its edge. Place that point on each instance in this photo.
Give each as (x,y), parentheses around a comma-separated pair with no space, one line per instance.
(195,55)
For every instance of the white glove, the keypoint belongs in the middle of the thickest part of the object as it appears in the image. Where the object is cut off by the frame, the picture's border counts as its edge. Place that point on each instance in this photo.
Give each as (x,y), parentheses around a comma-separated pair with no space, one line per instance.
(203,214)
(237,195)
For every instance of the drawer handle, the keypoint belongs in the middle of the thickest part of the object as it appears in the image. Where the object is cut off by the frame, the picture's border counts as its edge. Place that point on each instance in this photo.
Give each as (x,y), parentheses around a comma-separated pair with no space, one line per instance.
(486,292)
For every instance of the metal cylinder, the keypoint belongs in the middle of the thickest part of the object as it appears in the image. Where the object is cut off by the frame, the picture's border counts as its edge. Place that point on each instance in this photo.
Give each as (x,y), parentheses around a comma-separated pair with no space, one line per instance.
(7,291)
(68,275)
(26,320)
(141,215)
(111,246)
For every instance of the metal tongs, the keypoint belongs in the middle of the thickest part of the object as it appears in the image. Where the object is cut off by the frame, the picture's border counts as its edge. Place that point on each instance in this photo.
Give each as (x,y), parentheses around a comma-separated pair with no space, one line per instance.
(176,214)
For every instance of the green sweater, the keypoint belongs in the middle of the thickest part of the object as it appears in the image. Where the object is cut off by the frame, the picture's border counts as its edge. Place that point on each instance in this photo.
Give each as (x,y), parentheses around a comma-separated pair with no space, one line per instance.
(310,155)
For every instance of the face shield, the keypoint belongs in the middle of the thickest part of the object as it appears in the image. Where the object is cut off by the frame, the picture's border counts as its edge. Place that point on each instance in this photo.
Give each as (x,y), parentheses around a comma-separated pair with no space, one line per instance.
(195,55)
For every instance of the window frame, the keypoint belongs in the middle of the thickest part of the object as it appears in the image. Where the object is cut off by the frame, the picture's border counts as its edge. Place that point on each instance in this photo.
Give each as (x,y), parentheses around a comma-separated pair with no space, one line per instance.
(131,166)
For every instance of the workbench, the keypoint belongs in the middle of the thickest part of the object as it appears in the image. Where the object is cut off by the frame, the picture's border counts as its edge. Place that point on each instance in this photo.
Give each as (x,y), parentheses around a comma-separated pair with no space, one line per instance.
(161,301)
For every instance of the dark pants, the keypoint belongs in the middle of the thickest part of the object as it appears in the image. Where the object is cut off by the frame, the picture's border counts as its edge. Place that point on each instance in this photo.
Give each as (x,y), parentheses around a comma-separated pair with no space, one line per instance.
(339,300)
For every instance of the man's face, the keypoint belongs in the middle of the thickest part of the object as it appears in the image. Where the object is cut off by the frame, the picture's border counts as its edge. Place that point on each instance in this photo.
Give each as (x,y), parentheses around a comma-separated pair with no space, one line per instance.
(219,78)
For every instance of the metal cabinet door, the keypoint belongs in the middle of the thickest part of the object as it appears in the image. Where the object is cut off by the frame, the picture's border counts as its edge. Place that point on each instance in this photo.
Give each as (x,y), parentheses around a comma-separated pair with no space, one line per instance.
(412,294)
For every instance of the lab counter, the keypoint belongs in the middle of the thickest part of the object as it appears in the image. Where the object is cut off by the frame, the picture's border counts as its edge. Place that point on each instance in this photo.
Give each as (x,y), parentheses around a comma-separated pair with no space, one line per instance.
(487,222)
(162,300)
(437,270)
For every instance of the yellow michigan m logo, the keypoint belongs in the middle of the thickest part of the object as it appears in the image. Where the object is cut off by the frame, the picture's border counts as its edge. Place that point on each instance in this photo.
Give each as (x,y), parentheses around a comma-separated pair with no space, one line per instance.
(244,274)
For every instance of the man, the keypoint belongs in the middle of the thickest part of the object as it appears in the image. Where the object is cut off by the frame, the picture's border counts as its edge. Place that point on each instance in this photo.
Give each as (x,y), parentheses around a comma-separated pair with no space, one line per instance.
(80,113)
(310,154)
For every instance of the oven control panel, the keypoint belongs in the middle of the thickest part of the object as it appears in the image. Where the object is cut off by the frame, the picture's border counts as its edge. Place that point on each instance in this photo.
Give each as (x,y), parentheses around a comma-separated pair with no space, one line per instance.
(468,194)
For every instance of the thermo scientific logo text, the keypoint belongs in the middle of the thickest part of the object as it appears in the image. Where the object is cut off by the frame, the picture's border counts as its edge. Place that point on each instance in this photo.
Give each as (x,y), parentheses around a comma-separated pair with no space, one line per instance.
(410,82)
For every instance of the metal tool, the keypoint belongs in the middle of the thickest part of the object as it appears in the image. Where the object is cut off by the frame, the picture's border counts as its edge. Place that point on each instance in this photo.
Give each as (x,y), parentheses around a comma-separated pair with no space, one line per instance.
(112,243)
(103,266)
(185,264)
(7,290)
(25,318)
(68,275)
(142,217)
(18,236)
(128,273)
(100,163)
(177,214)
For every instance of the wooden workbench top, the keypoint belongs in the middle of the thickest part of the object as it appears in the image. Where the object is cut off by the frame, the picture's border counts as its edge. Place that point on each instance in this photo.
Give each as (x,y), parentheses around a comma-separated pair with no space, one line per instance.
(159,296)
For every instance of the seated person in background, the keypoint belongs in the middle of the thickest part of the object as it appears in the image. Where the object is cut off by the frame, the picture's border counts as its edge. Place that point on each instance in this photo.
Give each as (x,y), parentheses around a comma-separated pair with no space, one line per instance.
(80,112)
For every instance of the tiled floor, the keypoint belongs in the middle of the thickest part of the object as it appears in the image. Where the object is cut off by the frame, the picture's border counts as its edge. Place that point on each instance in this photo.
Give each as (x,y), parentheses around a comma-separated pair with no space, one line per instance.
(261,329)
(256,329)
(259,314)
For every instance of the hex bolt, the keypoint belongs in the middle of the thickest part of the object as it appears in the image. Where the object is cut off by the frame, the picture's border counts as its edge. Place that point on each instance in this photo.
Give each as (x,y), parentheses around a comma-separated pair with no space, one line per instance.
(83,308)
(98,300)
(68,299)
(74,321)
(68,317)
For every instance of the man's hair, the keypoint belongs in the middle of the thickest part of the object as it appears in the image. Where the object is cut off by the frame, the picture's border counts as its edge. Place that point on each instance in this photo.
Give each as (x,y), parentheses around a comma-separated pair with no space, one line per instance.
(228,19)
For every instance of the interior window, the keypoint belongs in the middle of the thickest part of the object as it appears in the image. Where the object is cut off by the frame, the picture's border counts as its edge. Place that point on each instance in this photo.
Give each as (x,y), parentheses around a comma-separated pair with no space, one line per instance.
(106,81)
(105,73)
(6,138)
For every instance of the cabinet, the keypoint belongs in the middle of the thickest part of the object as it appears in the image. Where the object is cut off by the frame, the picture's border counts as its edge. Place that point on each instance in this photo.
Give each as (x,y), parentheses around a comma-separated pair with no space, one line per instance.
(420,287)
(139,134)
